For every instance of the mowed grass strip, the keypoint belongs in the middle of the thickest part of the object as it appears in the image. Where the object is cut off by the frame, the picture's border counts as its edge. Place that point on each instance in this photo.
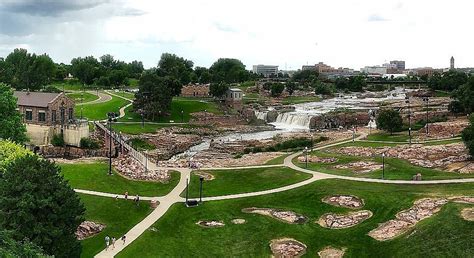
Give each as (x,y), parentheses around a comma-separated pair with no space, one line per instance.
(119,216)
(443,235)
(94,176)
(245,180)
(82,97)
(99,111)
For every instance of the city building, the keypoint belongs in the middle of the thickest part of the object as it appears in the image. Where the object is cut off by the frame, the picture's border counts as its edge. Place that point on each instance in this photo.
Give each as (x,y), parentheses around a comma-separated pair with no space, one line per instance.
(233,98)
(195,90)
(327,70)
(266,70)
(426,71)
(374,70)
(451,66)
(49,114)
(400,65)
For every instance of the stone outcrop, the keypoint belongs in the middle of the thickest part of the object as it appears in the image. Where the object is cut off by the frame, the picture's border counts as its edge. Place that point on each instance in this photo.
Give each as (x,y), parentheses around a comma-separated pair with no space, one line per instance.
(287,247)
(331,252)
(339,221)
(443,129)
(210,223)
(346,201)
(71,152)
(468,214)
(131,168)
(168,142)
(238,221)
(88,229)
(406,219)
(207,176)
(285,216)
(315,159)
(360,167)
(335,120)
(462,199)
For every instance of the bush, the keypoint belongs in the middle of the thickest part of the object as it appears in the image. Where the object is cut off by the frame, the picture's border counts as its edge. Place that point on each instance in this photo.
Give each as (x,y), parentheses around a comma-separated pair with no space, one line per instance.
(140,144)
(293,144)
(10,151)
(87,143)
(277,89)
(57,140)
(389,120)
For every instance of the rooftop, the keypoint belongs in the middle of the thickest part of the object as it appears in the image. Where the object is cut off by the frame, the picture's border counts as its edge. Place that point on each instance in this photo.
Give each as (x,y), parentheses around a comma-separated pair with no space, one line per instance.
(35,99)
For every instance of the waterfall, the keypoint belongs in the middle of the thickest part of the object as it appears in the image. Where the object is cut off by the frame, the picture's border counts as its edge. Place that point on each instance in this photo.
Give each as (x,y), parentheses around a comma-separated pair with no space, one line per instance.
(262,115)
(294,119)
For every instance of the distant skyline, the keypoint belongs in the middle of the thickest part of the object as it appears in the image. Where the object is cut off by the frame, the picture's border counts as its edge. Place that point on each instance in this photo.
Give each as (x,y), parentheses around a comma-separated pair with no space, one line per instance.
(340,33)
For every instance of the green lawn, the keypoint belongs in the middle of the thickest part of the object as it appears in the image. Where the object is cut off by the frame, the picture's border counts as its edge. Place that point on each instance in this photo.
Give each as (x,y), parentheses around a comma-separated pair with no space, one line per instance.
(78,97)
(136,128)
(277,160)
(94,176)
(382,136)
(99,111)
(128,95)
(300,99)
(187,105)
(245,180)
(394,168)
(118,215)
(443,235)
(141,144)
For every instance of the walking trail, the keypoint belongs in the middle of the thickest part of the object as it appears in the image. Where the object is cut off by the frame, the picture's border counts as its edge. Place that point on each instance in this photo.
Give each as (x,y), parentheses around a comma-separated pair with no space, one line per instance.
(103,97)
(165,202)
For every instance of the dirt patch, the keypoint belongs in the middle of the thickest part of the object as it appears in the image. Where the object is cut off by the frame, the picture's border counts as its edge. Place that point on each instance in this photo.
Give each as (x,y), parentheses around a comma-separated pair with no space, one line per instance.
(287,247)
(88,229)
(80,160)
(339,221)
(238,221)
(406,219)
(205,175)
(331,252)
(462,199)
(346,201)
(468,214)
(315,159)
(285,216)
(210,223)
(360,167)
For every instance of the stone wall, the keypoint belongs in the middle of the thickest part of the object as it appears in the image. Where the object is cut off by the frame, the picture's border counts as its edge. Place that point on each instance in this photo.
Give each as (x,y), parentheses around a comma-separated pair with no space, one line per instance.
(72,152)
(335,120)
(195,90)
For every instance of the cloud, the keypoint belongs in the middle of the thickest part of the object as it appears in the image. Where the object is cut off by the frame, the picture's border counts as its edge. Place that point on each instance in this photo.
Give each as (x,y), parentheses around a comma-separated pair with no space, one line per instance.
(376,18)
(47,7)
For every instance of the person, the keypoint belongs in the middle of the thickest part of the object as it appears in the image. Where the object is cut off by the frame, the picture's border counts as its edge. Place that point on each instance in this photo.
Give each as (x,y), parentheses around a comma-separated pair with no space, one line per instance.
(107,242)
(113,242)
(116,197)
(126,195)
(137,198)
(123,239)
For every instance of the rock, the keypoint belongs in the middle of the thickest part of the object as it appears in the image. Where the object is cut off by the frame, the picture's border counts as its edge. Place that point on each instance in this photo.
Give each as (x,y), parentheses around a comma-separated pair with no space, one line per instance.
(406,219)
(153,204)
(132,169)
(347,201)
(88,229)
(285,216)
(238,221)
(331,252)
(468,214)
(338,221)
(462,199)
(315,159)
(287,247)
(205,175)
(360,167)
(210,223)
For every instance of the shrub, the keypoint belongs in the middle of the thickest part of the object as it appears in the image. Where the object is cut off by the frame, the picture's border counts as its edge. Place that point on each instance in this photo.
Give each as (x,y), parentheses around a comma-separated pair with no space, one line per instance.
(57,140)
(87,143)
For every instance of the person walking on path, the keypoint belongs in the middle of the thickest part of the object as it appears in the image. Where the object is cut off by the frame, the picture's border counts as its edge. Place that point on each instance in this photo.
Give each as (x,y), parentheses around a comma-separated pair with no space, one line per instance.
(113,242)
(137,199)
(126,195)
(124,238)
(107,242)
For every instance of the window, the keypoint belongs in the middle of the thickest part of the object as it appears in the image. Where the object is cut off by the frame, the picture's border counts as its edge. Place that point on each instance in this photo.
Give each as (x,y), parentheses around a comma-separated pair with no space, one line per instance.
(41,116)
(53,116)
(29,114)
(71,113)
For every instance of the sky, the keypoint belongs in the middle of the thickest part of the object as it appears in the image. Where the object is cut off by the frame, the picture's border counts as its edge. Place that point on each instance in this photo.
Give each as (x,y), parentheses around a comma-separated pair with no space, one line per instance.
(341,33)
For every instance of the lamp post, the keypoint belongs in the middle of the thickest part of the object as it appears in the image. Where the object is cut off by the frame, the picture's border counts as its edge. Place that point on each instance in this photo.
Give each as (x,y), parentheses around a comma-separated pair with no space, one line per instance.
(201,179)
(142,114)
(353,133)
(112,117)
(409,117)
(182,116)
(383,165)
(306,155)
(426,100)
(187,189)
(146,160)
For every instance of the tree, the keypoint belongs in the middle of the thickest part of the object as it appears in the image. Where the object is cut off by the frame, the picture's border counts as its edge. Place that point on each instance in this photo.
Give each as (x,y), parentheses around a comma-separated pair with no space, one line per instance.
(448,81)
(86,69)
(117,77)
(177,68)
(203,75)
(389,120)
(9,151)
(228,70)
(10,119)
(9,247)
(465,95)
(305,76)
(135,69)
(37,203)
(276,89)
(321,88)
(290,87)
(155,94)
(218,89)
(468,136)
(456,107)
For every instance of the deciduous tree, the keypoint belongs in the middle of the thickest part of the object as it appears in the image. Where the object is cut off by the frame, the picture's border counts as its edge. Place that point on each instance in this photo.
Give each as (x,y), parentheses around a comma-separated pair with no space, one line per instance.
(11,126)
(389,120)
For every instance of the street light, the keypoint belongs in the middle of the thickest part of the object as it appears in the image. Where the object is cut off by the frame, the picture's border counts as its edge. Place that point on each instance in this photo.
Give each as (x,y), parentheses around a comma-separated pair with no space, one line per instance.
(383,165)
(142,114)
(201,179)
(182,116)
(146,160)
(426,100)
(112,117)
(187,189)
(306,155)
(409,117)
(353,133)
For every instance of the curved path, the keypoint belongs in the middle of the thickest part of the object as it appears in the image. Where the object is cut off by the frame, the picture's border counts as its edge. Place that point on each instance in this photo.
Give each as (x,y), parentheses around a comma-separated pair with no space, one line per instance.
(103,97)
(165,202)
(122,109)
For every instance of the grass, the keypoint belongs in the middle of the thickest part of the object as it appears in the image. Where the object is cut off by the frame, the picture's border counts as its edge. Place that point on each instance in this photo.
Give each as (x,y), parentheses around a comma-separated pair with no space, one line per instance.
(94,176)
(119,216)
(141,144)
(278,160)
(245,180)
(128,95)
(99,111)
(88,97)
(382,136)
(300,99)
(443,235)
(187,105)
(395,169)
(136,128)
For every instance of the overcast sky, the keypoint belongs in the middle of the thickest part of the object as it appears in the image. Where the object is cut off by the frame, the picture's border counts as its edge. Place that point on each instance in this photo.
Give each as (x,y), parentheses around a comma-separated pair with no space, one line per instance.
(348,33)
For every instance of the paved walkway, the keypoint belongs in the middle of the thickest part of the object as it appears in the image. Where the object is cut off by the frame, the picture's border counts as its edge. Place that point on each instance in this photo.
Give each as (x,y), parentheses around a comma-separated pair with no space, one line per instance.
(102,98)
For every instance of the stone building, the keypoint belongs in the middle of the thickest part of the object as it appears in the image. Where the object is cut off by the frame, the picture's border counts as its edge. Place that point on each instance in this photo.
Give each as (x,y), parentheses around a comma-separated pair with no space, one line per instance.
(195,90)
(233,98)
(48,114)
